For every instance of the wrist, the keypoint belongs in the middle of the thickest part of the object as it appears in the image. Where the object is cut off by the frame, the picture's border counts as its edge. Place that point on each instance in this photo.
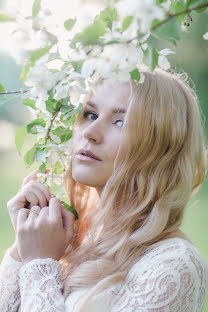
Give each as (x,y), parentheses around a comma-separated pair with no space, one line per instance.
(14,253)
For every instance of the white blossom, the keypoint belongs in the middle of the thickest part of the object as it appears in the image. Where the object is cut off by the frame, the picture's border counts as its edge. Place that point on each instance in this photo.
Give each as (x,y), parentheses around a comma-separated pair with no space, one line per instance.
(116,61)
(38,129)
(166,5)
(55,138)
(41,80)
(162,60)
(205,36)
(62,89)
(146,11)
(52,178)
(53,158)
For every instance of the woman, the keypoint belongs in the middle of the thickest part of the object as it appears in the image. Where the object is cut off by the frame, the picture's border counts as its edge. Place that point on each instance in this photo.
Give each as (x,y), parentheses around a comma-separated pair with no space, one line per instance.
(138,154)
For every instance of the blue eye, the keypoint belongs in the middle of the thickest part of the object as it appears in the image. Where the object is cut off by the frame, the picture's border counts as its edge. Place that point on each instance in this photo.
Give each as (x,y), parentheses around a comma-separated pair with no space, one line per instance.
(86,113)
(120,120)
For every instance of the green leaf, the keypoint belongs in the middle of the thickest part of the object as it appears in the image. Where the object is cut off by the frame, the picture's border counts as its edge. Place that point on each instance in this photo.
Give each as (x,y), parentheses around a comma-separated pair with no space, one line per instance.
(79,108)
(64,133)
(170,30)
(25,71)
(70,121)
(41,156)
(2,88)
(58,168)
(37,54)
(68,114)
(194,3)
(5,18)
(91,33)
(151,57)
(108,15)
(42,168)
(51,105)
(20,136)
(68,24)
(135,74)
(65,102)
(153,54)
(72,210)
(36,7)
(160,1)
(29,102)
(36,122)
(30,157)
(126,22)
(78,65)
(179,6)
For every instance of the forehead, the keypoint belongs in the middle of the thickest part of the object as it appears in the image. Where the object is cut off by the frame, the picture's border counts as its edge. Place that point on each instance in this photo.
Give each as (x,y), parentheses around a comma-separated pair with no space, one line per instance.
(112,93)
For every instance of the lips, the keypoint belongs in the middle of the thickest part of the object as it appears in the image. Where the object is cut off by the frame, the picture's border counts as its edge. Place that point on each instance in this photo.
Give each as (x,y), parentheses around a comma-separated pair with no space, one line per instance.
(88,153)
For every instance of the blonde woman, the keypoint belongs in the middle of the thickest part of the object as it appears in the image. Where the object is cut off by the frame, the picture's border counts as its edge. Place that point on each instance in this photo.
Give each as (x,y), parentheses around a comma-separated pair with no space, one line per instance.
(138,154)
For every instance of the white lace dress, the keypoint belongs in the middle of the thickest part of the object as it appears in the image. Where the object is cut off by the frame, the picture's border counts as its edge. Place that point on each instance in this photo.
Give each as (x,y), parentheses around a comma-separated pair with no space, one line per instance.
(171,276)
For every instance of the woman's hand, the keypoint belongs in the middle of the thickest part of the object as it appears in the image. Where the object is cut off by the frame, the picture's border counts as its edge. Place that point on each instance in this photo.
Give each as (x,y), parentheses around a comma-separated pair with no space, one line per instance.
(31,193)
(44,235)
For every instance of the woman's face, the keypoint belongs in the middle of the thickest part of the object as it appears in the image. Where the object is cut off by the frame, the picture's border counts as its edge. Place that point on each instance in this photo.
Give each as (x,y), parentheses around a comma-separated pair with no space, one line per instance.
(100,133)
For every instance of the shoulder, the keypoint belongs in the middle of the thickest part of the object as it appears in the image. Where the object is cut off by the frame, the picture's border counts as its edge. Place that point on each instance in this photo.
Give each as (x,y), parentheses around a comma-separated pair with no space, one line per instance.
(171,273)
(177,255)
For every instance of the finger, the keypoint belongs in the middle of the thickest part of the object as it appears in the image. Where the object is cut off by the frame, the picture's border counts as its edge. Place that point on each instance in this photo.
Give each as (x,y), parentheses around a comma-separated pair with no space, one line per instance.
(44,189)
(68,221)
(55,209)
(31,176)
(22,217)
(33,212)
(27,196)
(42,200)
(41,192)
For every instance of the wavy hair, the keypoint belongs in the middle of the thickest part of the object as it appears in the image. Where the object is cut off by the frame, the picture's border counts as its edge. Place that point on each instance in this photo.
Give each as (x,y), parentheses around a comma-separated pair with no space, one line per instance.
(145,197)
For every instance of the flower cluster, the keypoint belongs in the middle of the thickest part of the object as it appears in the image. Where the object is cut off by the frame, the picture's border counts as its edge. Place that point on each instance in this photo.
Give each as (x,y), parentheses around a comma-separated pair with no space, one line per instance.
(61,61)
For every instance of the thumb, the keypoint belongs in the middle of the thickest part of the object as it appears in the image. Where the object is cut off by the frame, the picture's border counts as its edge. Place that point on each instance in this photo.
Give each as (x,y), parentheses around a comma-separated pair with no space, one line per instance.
(68,221)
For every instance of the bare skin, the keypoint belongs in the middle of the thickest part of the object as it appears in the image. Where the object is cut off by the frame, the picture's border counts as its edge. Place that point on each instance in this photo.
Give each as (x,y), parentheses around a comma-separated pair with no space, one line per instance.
(99,132)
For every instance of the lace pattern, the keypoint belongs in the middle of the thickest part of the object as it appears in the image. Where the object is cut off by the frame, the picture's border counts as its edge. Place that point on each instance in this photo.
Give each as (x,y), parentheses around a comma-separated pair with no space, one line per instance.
(9,283)
(170,276)
(41,286)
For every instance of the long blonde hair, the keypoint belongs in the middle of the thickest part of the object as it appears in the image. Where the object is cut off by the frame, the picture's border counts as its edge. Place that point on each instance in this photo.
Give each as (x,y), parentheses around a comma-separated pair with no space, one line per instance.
(145,197)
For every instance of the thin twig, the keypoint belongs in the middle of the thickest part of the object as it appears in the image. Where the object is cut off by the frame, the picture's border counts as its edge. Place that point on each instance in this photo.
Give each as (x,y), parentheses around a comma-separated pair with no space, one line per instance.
(51,123)
(13,92)
(170,16)
(180,13)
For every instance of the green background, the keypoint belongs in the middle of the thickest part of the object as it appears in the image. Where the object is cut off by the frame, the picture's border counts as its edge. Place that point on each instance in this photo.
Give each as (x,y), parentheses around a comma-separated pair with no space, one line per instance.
(191,56)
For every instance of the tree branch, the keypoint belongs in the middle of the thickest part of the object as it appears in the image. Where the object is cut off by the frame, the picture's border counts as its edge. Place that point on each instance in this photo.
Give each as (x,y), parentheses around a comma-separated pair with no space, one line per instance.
(170,16)
(50,126)
(13,92)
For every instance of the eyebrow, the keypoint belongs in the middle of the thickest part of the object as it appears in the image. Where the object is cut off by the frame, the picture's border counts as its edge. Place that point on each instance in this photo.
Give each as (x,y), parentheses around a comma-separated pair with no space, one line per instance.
(114,110)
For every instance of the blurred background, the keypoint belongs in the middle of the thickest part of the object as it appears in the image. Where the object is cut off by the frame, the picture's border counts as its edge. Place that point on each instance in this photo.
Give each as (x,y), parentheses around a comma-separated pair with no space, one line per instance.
(191,56)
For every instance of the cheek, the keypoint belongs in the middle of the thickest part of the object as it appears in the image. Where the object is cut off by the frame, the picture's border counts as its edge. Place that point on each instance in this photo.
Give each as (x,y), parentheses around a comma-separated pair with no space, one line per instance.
(75,140)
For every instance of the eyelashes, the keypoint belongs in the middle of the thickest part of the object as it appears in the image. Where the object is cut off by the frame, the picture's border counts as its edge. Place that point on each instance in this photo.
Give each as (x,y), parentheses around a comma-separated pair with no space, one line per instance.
(86,113)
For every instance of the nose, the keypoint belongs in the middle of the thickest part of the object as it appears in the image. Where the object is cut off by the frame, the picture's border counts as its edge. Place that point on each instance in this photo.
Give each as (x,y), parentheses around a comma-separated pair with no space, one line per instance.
(94,132)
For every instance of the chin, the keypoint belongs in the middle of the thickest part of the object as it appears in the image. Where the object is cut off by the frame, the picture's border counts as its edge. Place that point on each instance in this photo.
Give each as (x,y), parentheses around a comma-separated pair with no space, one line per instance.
(86,180)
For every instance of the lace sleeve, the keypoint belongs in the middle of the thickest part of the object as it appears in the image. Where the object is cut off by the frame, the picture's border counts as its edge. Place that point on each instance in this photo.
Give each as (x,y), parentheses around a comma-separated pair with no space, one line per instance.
(41,286)
(9,283)
(167,279)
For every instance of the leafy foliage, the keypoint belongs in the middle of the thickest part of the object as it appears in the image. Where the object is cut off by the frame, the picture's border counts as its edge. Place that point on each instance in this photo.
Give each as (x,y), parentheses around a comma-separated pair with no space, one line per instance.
(110,46)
